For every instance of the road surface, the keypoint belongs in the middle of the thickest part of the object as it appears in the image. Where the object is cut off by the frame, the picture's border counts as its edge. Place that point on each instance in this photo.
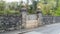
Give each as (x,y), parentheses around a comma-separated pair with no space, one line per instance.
(48,29)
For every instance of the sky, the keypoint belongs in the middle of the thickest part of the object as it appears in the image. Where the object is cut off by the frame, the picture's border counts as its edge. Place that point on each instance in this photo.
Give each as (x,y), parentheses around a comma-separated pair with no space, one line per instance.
(13,0)
(17,1)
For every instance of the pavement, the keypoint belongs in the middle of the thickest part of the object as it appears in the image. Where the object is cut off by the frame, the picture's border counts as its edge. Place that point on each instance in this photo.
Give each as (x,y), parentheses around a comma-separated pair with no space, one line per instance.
(47,29)
(19,31)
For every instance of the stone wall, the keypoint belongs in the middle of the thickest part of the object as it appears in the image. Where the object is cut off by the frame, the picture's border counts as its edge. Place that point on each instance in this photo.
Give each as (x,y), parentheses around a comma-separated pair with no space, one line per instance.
(9,21)
(47,20)
(50,19)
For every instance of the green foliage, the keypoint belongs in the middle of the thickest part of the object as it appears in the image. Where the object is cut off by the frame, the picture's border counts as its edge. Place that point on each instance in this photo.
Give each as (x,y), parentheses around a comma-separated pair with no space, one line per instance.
(2,5)
(57,12)
(52,7)
(31,10)
(47,7)
(8,8)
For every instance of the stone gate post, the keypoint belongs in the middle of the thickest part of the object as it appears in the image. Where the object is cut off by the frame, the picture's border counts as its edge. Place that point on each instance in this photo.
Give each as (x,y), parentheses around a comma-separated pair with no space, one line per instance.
(39,17)
(23,12)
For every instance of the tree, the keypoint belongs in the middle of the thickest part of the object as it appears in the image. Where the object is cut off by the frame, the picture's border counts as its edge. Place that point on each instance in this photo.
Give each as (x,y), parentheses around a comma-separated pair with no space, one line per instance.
(47,6)
(57,10)
(2,5)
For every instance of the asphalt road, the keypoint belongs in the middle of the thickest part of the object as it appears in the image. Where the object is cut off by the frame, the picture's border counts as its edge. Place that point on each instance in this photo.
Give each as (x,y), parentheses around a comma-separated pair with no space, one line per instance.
(48,29)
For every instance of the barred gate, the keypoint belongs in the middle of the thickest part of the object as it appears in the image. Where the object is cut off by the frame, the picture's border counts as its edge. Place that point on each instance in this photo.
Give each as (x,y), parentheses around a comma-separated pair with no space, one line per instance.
(31,21)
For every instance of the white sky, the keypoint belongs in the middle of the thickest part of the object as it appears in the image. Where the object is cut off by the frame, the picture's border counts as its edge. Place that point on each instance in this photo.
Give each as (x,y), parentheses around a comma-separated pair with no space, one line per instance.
(17,1)
(13,0)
